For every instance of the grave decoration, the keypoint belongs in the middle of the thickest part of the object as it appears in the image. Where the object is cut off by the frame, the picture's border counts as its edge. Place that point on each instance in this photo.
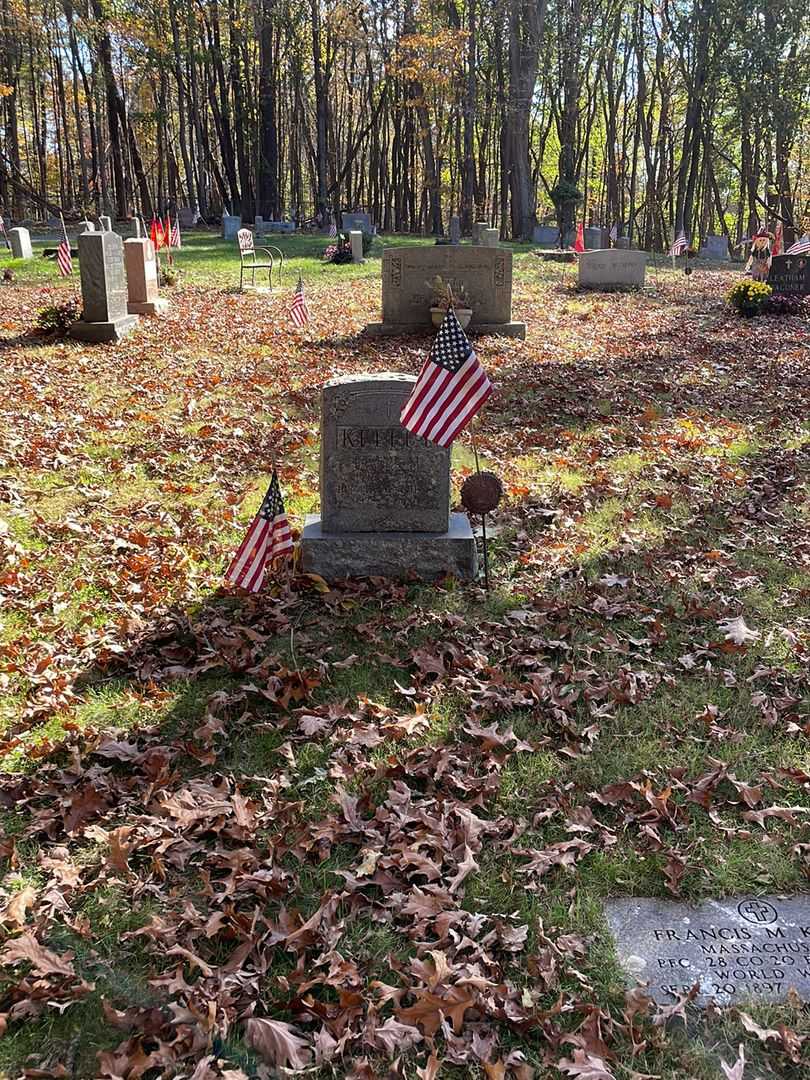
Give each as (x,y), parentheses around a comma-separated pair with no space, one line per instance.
(447,294)
(727,950)
(480,494)
(759,259)
(385,492)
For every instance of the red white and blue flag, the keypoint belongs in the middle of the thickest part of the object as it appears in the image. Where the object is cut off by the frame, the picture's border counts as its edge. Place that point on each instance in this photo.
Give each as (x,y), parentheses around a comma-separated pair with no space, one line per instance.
(177,240)
(679,245)
(64,258)
(333,228)
(801,247)
(5,234)
(267,539)
(451,387)
(299,314)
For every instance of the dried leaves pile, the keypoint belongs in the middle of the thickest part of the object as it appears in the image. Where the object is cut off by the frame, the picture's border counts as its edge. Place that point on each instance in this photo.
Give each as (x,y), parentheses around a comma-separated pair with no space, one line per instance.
(340,831)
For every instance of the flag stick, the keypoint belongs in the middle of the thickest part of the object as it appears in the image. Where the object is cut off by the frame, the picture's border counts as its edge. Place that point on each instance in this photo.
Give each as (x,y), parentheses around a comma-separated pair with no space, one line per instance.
(483,515)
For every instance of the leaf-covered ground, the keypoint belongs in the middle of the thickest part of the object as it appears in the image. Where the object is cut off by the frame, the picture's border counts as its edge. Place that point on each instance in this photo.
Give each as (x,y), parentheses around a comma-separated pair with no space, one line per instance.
(366,832)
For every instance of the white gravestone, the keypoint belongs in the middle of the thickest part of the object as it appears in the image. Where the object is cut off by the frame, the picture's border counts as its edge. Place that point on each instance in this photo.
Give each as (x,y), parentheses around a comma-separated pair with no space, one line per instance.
(357,246)
(20,240)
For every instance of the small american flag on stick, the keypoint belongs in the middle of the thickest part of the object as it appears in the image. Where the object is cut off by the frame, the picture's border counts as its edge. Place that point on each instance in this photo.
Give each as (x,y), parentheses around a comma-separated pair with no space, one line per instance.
(333,228)
(801,247)
(267,539)
(5,234)
(177,240)
(451,387)
(299,314)
(679,245)
(64,258)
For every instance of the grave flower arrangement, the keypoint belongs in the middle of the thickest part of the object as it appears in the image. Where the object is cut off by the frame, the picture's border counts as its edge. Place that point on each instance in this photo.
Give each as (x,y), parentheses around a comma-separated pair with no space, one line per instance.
(340,251)
(750,297)
(443,294)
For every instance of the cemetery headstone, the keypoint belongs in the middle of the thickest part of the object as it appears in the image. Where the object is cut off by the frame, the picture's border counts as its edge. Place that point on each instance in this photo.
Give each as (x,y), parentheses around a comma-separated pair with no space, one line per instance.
(20,240)
(478,229)
(358,220)
(104,291)
(187,216)
(596,238)
(87,226)
(356,239)
(714,247)
(485,273)
(105,222)
(385,494)
(231,224)
(611,268)
(623,243)
(455,229)
(737,948)
(142,276)
(490,237)
(546,235)
(790,275)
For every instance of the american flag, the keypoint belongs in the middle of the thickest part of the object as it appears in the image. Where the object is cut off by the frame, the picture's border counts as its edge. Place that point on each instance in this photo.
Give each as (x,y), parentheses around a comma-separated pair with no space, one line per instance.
(333,228)
(614,234)
(299,314)
(680,244)
(267,539)
(451,388)
(5,234)
(64,259)
(801,247)
(177,240)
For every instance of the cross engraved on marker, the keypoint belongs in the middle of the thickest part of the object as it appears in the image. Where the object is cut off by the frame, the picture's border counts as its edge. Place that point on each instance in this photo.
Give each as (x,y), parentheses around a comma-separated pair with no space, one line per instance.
(757,911)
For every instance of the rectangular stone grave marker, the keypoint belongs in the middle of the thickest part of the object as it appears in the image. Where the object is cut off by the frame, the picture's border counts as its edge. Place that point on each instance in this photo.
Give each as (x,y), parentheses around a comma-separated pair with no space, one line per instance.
(486,274)
(455,229)
(358,221)
(20,240)
(385,494)
(714,247)
(142,277)
(231,224)
(356,238)
(104,290)
(546,235)
(611,268)
(790,275)
(187,216)
(735,949)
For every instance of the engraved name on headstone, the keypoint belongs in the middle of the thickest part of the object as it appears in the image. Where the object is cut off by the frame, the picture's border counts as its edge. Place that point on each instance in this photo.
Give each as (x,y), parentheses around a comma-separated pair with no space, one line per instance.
(790,275)
(375,475)
(734,949)
(486,274)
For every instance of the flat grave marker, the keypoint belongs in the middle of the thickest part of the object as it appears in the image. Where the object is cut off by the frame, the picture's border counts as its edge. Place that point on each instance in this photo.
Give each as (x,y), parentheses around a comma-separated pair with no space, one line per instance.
(735,949)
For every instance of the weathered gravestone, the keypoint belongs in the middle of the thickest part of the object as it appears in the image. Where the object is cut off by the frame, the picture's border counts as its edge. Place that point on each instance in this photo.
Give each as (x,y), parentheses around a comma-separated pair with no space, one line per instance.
(356,239)
(734,949)
(357,221)
(385,494)
(623,243)
(546,235)
(187,216)
(490,237)
(486,274)
(142,276)
(611,268)
(104,291)
(714,247)
(478,230)
(790,275)
(20,240)
(231,224)
(455,229)
(105,223)
(596,238)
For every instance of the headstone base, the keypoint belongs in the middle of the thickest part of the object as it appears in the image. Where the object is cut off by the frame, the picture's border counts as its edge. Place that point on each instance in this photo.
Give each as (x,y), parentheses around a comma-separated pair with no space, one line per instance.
(103,331)
(152,307)
(393,555)
(387,329)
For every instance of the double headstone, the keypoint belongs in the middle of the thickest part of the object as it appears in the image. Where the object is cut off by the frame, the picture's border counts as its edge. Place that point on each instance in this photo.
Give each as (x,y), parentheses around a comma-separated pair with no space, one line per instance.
(20,240)
(611,268)
(385,494)
(104,291)
(485,273)
(789,275)
(142,276)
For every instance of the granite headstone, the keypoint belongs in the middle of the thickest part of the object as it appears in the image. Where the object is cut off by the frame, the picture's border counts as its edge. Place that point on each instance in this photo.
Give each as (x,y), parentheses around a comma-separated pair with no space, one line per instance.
(714,247)
(231,224)
(546,235)
(486,274)
(20,240)
(455,229)
(738,948)
(356,239)
(104,291)
(357,221)
(611,268)
(142,277)
(187,216)
(385,494)
(790,275)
